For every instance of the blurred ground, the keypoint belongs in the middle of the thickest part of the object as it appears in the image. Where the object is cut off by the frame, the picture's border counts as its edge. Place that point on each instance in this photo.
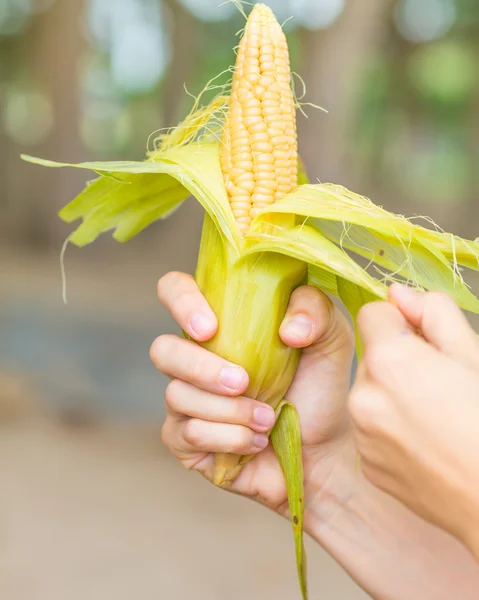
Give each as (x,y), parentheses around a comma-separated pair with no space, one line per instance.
(91,505)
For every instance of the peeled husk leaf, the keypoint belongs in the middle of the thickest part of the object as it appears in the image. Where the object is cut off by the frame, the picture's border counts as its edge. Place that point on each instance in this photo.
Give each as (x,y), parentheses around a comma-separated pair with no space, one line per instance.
(286,438)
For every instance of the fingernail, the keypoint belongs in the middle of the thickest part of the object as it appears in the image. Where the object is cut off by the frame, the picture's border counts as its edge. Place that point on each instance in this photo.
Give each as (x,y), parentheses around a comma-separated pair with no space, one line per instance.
(200,324)
(260,441)
(299,326)
(264,416)
(232,377)
(403,291)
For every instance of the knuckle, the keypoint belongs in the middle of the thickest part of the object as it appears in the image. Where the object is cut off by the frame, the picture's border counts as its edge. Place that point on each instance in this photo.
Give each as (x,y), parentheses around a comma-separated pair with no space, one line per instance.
(436,303)
(439,299)
(383,357)
(362,409)
(192,433)
(367,313)
(199,369)
(369,471)
(160,348)
(307,294)
(172,393)
(185,302)
(169,281)
(242,441)
(311,301)
(165,282)
(165,433)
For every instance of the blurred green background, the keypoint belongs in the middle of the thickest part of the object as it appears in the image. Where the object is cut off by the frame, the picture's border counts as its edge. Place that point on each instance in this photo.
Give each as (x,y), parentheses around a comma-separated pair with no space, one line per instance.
(92,79)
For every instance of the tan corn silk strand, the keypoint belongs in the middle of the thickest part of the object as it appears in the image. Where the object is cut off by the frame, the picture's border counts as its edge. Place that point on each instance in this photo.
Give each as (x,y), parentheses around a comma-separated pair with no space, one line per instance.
(259,143)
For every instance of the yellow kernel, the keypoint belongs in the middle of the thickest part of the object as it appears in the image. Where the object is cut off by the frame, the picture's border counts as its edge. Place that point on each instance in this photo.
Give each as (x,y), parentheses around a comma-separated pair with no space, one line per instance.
(260,189)
(266,80)
(265,168)
(253,78)
(266,198)
(273,132)
(267,67)
(264,159)
(246,186)
(259,137)
(278,140)
(253,111)
(237,191)
(269,110)
(240,144)
(269,183)
(235,173)
(244,165)
(263,147)
(253,120)
(242,156)
(241,202)
(266,58)
(244,176)
(267,49)
(258,127)
(271,96)
(277,125)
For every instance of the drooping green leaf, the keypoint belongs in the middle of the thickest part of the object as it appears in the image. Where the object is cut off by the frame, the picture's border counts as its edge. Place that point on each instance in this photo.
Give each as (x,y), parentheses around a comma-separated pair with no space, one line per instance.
(195,166)
(417,260)
(107,204)
(390,241)
(286,439)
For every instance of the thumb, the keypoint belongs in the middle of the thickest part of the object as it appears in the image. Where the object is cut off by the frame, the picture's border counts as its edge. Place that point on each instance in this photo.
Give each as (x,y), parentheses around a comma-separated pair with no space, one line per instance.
(441,322)
(322,381)
(313,323)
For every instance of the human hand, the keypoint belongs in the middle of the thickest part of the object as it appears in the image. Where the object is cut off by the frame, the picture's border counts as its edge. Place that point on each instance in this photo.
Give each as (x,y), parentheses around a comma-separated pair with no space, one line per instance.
(387,549)
(206,412)
(415,407)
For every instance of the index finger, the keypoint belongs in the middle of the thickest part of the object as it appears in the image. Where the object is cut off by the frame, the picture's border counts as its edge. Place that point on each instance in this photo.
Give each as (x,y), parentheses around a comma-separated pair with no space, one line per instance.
(181,295)
(393,354)
(381,322)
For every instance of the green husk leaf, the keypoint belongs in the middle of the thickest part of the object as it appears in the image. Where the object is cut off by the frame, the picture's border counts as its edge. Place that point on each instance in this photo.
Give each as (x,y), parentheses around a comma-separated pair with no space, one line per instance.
(286,439)
(323,280)
(307,244)
(354,297)
(416,260)
(106,204)
(409,252)
(195,166)
(302,175)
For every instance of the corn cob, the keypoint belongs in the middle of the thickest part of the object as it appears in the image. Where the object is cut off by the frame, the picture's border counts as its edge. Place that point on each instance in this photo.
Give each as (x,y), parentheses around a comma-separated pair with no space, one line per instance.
(259,156)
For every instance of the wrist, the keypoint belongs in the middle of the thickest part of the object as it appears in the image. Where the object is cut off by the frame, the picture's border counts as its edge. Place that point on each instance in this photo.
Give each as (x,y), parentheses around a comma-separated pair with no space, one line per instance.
(387,550)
